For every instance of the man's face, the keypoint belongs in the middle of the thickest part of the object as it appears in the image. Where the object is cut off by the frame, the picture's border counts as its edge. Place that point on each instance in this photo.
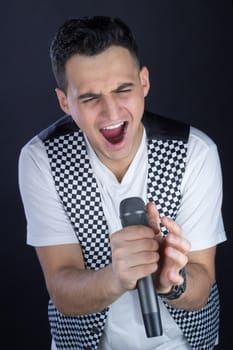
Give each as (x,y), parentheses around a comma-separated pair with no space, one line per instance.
(105,97)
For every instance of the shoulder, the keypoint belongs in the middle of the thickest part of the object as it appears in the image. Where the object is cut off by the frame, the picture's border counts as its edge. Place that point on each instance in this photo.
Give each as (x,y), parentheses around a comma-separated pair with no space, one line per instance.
(33,161)
(35,149)
(198,136)
(163,128)
(201,145)
(203,164)
(63,126)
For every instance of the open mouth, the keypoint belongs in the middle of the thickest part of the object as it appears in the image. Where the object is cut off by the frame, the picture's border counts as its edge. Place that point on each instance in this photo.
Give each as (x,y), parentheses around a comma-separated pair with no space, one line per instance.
(114,133)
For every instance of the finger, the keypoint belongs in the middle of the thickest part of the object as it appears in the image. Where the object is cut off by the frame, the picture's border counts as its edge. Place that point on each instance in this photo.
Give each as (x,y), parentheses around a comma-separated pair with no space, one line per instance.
(140,271)
(131,233)
(135,247)
(171,225)
(179,259)
(153,217)
(175,278)
(142,258)
(178,242)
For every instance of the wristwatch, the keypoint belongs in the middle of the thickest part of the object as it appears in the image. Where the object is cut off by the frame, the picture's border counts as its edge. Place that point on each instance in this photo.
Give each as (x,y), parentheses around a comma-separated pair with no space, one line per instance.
(176,291)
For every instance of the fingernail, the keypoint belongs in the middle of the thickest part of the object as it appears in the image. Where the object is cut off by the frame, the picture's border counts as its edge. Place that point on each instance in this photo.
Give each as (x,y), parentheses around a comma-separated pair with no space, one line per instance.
(166,219)
(171,238)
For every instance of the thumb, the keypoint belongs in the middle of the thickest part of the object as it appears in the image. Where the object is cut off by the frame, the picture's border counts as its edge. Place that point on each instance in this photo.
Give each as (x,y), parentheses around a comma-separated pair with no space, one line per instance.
(154,218)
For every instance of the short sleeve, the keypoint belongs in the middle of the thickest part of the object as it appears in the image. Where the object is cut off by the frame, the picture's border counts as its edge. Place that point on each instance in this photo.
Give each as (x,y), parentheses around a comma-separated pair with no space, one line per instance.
(200,213)
(47,222)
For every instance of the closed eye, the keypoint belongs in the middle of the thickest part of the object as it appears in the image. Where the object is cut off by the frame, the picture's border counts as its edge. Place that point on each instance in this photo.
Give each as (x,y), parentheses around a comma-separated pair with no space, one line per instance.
(88,97)
(123,90)
(126,87)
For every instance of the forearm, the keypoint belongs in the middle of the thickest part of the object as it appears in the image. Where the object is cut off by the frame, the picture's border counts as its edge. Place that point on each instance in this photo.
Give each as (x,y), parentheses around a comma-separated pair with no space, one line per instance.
(81,291)
(198,287)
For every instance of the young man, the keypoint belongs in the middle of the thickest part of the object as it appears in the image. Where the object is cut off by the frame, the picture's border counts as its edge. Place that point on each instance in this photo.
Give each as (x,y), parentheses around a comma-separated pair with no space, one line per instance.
(73,177)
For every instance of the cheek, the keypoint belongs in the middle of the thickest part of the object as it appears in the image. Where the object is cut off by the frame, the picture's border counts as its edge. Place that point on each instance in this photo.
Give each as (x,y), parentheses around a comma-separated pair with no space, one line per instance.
(77,114)
(79,122)
(136,103)
(84,121)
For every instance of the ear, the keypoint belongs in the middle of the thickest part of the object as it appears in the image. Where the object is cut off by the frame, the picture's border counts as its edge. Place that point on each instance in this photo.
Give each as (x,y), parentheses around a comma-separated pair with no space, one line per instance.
(145,81)
(62,99)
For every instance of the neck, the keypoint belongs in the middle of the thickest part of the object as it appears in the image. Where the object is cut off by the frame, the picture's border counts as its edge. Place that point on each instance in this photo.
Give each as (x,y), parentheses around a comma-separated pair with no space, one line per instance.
(119,171)
(120,167)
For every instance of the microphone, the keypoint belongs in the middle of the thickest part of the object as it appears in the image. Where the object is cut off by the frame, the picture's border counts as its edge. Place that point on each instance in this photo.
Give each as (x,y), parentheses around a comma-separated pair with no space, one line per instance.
(133,212)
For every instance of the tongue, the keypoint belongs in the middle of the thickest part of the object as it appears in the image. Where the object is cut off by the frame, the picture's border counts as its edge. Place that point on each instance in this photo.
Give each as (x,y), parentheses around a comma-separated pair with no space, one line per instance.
(114,135)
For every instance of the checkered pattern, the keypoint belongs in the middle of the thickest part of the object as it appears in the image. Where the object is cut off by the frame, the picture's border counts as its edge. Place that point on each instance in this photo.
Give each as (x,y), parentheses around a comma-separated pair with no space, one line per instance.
(80,196)
(167,165)
(78,191)
(77,187)
(76,333)
(200,327)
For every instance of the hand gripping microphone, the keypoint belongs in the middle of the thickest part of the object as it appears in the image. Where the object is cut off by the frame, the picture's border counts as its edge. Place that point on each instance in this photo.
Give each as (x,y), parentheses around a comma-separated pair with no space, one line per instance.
(133,212)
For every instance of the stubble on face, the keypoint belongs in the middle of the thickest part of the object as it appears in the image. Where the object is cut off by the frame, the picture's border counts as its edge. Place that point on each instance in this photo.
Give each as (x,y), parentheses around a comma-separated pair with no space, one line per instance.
(105,97)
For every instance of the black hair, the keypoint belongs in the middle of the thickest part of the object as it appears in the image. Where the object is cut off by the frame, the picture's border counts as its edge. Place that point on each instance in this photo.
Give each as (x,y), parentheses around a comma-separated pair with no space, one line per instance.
(88,36)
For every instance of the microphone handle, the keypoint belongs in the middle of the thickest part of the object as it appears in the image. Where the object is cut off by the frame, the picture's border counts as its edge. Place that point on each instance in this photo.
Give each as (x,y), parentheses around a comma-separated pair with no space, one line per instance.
(133,215)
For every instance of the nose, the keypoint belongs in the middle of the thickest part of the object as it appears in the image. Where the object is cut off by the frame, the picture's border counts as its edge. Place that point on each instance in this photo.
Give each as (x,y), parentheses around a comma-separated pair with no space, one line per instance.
(110,107)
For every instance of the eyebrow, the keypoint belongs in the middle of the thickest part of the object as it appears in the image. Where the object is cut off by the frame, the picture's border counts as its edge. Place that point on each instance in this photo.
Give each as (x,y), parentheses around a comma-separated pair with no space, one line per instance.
(123,86)
(91,94)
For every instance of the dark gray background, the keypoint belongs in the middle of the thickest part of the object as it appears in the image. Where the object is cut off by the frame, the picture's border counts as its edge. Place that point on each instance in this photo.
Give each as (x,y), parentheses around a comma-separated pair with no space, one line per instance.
(187,46)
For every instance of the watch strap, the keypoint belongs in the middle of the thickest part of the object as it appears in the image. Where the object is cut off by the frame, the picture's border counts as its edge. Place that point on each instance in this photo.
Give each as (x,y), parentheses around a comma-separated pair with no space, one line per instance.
(176,291)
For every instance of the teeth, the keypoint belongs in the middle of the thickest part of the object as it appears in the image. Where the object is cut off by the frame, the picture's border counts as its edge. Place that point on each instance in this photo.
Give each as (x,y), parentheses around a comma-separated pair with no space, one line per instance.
(111,127)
